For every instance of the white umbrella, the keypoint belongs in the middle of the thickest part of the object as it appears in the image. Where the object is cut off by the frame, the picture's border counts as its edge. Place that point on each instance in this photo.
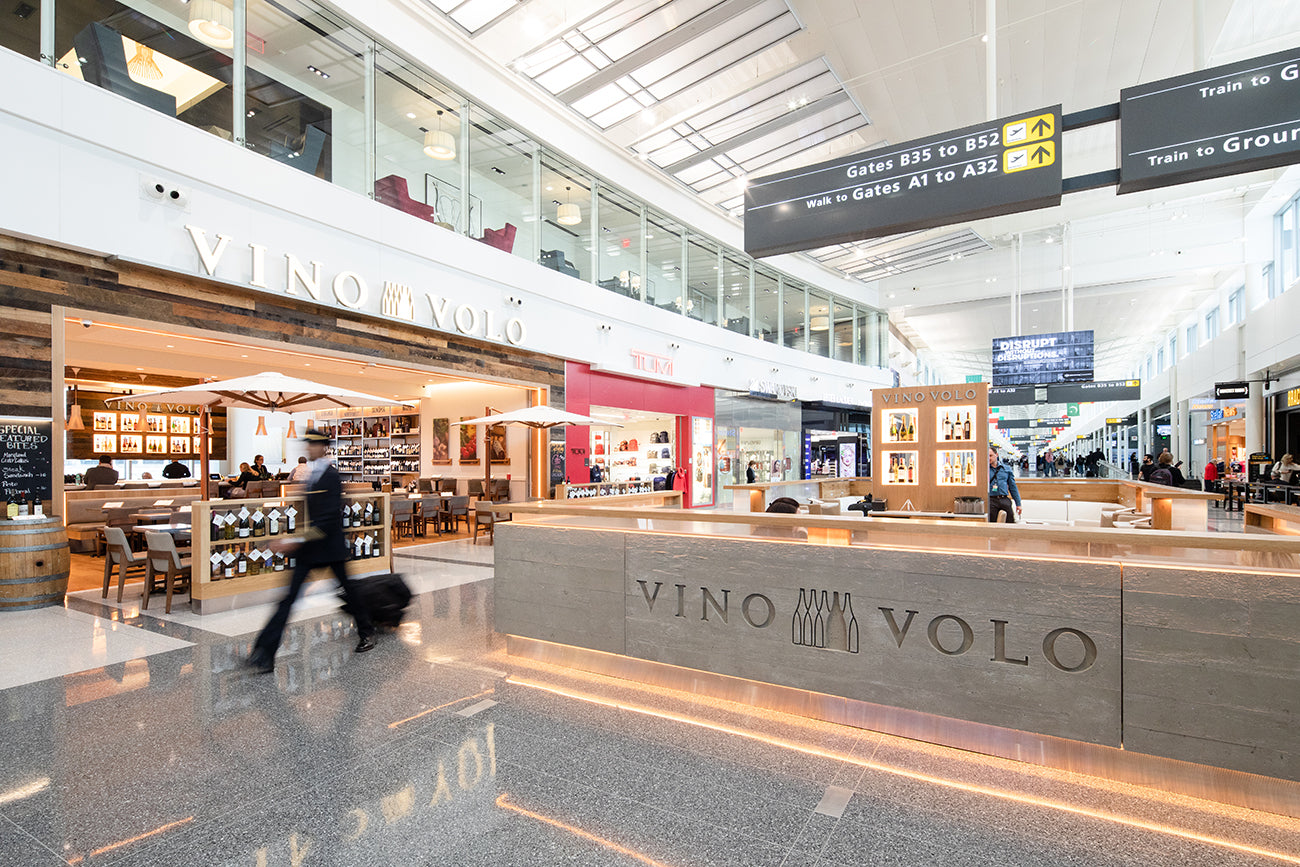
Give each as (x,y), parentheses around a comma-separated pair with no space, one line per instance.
(270,391)
(537,417)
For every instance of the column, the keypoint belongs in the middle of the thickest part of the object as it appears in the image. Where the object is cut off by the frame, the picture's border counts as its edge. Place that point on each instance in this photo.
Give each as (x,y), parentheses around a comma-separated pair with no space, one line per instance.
(1255,419)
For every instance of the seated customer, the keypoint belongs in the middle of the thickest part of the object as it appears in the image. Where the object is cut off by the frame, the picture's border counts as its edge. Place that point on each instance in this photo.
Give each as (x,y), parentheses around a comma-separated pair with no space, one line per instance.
(176,470)
(1285,470)
(259,467)
(301,472)
(103,474)
(246,475)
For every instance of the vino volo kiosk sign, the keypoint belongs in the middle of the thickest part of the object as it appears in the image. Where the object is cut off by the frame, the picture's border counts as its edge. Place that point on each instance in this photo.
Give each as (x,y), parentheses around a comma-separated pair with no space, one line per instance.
(930,445)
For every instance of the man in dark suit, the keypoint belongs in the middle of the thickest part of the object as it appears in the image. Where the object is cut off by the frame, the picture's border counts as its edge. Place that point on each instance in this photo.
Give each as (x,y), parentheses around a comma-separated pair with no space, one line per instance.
(323,546)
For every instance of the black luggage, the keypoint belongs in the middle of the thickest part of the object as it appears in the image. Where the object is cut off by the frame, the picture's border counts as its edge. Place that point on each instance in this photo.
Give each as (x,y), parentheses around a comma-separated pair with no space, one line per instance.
(386,596)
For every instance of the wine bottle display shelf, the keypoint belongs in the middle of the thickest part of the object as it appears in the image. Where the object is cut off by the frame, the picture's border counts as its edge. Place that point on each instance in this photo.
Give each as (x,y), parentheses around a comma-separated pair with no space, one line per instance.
(901,468)
(957,468)
(955,424)
(900,426)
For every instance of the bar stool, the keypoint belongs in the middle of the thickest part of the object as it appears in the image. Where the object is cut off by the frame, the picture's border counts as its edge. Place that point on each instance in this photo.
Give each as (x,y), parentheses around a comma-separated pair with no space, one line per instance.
(164,558)
(118,553)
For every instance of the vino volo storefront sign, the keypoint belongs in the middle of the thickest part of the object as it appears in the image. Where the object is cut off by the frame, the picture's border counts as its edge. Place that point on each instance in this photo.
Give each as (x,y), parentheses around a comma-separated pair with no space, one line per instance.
(314,281)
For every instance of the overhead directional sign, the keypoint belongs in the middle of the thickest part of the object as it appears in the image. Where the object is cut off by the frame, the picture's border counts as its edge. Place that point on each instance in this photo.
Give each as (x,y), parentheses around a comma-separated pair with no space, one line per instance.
(1095,392)
(1023,395)
(1009,423)
(1222,121)
(1006,165)
(1231,390)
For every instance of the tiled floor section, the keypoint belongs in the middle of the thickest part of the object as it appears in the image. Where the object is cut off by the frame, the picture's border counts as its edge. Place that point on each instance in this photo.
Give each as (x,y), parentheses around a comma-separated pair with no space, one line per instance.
(438,749)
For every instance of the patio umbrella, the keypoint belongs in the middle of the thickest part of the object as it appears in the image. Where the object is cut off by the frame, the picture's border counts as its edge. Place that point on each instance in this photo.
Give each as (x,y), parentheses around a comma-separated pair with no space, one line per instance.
(273,392)
(537,417)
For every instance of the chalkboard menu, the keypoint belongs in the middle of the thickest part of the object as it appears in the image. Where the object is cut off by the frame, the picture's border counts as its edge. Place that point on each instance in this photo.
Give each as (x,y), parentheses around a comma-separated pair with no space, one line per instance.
(25,456)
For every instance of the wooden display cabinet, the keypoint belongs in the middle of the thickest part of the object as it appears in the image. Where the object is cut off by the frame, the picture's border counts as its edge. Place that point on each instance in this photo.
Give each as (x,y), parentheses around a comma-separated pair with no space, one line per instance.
(222,593)
(930,445)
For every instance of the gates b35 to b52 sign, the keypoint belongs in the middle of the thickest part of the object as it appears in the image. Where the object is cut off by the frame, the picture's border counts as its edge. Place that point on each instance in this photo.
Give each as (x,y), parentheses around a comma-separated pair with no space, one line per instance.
(999,167)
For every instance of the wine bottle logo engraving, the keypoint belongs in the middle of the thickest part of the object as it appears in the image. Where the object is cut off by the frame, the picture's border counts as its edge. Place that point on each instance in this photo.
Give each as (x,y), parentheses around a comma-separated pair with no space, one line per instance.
(824,619)
(398,301)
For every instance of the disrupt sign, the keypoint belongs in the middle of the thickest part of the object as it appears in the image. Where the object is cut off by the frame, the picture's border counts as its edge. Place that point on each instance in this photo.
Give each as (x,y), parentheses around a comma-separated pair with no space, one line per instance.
(828,623)
(351,290)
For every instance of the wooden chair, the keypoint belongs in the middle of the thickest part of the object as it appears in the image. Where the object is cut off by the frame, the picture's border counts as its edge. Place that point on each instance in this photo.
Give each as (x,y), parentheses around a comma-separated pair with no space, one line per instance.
(165,559)
(403,518)
(476,489)
(484,519)
(118,553)
(500,490)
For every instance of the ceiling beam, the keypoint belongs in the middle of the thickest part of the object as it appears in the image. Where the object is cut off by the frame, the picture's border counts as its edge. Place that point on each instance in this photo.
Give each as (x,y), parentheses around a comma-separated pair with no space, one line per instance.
(657,48)
(763,129)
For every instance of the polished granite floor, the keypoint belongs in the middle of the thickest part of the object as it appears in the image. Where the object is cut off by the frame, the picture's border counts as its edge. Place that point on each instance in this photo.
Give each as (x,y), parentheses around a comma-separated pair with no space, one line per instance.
(143,742)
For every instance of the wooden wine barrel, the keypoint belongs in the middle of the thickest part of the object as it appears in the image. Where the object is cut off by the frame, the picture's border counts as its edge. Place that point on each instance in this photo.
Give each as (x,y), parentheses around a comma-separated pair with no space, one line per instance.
(34,563)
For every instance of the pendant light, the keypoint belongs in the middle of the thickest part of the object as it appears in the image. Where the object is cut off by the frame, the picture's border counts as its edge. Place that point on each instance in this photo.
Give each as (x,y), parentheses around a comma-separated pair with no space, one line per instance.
(568,214)
(440,144)
(75,421)
(212,22)
(261,426)
(820,323)
(143,67)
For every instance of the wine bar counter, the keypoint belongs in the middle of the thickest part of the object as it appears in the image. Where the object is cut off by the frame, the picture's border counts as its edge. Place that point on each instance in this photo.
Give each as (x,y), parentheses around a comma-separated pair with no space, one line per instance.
(235,566)
(1159,658)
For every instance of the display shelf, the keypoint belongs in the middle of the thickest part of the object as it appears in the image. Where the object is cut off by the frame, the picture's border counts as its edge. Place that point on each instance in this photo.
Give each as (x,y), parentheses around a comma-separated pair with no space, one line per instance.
(260,576)
(943,459)
(955,423)
(957,468)
(901,468)
(900,426)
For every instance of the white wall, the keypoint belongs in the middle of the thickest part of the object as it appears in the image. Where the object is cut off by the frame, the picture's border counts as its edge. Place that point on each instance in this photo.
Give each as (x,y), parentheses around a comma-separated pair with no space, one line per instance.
(83,154)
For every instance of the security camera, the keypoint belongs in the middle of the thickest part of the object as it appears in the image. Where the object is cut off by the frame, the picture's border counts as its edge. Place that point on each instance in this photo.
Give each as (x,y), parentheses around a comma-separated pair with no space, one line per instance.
(86,323)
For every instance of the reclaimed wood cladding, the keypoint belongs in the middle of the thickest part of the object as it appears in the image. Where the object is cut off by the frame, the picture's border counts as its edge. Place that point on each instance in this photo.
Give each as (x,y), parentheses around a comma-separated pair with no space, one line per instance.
(36,277)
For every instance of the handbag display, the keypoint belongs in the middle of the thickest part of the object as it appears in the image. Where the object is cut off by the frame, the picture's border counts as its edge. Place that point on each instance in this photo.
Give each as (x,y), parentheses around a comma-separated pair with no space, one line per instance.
(631,445)
(654,438)
(663,437)
(600,448)
(665,454)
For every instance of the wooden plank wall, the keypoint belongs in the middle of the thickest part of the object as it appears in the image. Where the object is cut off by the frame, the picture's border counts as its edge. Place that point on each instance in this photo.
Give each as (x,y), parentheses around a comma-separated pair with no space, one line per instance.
(36,277)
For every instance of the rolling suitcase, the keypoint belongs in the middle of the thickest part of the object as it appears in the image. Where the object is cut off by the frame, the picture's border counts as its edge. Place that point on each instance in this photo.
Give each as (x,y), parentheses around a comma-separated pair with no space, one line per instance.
(386,596)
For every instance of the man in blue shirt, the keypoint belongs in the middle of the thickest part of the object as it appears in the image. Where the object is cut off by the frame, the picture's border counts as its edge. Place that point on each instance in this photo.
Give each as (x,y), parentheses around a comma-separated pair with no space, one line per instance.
(1002,490)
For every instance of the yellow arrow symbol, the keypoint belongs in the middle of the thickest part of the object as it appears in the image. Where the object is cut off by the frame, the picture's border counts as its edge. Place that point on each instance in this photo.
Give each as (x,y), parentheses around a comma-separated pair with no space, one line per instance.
(1035,128)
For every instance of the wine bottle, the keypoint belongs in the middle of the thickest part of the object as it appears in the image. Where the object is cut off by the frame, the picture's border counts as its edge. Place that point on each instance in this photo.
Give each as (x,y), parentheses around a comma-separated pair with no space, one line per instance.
(245,528)
(947,427)
(370,514)
(909,470)
(278,563)
(38,507)
(358,547)
(259,523)
(228,564)
(214,566)
(290,519)
(218,527)
(241,566)
(11,507)
(347,517)
(966,428)
(366,543)
(911,430)
(273,522)
(796,622)
(23,508)
(377,550)
(255,562)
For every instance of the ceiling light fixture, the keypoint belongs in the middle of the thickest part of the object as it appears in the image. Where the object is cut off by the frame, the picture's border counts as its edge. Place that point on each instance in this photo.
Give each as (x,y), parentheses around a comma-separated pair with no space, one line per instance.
(311,68)
(212,22)
(820,323)
(410,115)
(440,144)
(143,67)
(568,214)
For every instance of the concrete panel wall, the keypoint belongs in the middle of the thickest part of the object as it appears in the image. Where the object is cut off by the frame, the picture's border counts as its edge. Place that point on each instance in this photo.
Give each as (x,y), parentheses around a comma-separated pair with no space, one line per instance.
(1212,668)
(560,585)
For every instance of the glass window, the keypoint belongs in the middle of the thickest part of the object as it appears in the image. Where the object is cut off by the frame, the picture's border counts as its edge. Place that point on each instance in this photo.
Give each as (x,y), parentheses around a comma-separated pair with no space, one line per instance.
(1212,324)
(767,305)
(1173,348)
(154,60)
(842,331)
(566,218)
(1270,283)
(1193,337)
(664,263)
(1150,372)
(502,194)
(21,31)
(1237,306)
(702,279)
(1288,246)
(619,243)
(819,323)
(735,294)
(417,159)
(306,90)
(1160,360)
(793,302)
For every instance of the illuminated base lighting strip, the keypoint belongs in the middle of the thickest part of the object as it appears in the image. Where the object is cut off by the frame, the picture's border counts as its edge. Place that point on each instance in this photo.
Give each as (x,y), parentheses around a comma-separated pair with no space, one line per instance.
(136,839)
(578,832)
(925,778)
(393,725)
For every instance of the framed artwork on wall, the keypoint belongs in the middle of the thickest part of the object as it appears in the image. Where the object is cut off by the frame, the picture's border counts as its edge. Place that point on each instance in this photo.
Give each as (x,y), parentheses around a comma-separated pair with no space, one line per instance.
(496,444)
(440,450)
(468,442)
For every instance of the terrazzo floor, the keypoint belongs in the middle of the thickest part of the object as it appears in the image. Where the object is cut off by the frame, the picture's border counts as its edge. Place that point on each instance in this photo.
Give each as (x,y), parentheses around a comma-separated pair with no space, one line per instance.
(144,743)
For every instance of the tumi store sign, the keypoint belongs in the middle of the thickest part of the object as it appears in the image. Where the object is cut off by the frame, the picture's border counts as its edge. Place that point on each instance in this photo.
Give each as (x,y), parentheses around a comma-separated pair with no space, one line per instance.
(311,280)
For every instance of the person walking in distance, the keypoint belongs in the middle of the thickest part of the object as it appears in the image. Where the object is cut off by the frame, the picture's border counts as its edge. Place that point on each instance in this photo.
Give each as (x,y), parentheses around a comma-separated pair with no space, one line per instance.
(323,547)
(1002,490)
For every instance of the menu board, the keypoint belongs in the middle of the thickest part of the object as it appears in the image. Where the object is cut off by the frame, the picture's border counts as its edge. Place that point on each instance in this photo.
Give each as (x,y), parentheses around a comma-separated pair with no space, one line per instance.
(25,458)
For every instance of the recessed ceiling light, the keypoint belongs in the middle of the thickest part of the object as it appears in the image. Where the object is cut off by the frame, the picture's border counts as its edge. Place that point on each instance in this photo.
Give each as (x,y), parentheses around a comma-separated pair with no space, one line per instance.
(169,346)
(306,364)
(410,115)
(243,356)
